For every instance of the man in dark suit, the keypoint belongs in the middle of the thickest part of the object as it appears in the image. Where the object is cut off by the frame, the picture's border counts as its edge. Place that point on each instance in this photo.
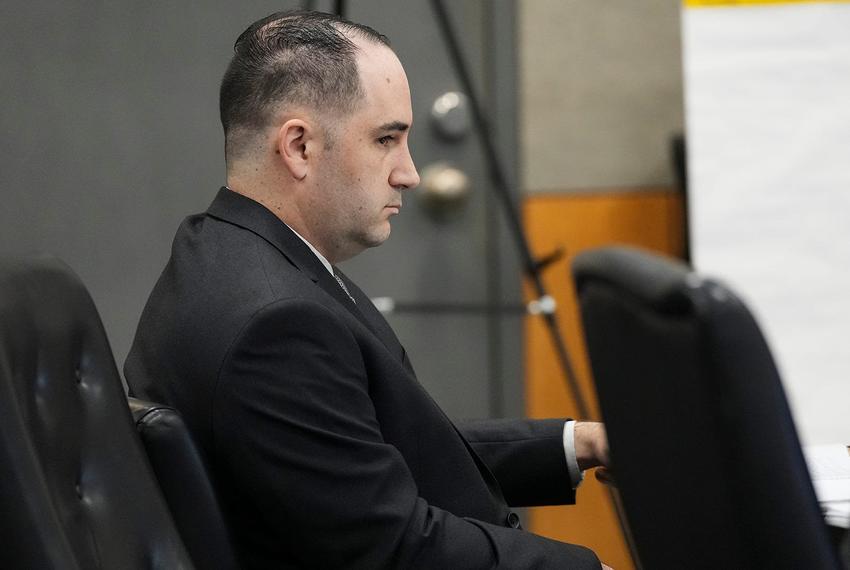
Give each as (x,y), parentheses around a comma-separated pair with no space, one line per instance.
(325,450)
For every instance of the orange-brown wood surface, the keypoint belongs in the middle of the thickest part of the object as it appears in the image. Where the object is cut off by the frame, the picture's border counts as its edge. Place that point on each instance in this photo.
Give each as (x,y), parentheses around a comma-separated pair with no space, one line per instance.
(575,222)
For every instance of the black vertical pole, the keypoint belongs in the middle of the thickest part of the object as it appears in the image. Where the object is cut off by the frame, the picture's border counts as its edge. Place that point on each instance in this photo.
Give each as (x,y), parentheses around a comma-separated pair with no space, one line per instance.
(500,186)
(532,268)
(493,270)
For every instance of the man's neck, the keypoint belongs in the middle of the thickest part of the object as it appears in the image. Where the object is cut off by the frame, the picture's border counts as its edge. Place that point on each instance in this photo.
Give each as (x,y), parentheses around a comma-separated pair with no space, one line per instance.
(321,257)
(281,213)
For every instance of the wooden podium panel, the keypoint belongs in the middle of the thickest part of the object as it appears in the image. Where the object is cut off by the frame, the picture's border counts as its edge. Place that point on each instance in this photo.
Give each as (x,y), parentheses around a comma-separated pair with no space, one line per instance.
(647,218)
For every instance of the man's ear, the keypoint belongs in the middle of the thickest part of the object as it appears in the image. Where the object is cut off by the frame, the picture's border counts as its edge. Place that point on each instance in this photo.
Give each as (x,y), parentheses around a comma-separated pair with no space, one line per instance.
(294,143)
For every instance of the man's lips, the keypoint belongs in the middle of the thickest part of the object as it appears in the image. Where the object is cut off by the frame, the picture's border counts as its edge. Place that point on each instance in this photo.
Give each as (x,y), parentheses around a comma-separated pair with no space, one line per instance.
(396,207)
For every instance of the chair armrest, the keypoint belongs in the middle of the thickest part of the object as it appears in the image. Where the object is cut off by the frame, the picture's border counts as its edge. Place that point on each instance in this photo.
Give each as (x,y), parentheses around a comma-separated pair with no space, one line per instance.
(185,483)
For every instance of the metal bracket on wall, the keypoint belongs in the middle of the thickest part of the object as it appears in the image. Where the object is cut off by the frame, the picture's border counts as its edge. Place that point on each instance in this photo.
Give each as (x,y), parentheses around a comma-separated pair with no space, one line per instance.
(389,305)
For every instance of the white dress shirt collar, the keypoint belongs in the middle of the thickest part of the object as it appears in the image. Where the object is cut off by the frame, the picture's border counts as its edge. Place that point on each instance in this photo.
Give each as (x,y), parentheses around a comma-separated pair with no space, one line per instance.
(321,257)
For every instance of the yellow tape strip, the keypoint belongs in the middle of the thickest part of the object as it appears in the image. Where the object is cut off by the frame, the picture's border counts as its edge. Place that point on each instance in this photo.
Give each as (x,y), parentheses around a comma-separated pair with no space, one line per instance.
(709,3)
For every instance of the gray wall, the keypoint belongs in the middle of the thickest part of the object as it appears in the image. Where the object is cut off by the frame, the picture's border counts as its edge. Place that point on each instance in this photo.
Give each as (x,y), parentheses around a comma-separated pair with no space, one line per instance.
(600,91)
(111,136)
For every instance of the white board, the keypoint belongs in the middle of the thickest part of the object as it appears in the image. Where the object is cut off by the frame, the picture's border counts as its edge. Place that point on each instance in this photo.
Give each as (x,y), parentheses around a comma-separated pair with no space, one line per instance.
(767,102)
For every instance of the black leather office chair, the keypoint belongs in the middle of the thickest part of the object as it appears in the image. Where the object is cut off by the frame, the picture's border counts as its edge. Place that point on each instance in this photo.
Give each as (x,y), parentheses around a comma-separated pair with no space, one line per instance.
(703,445)
(76,488)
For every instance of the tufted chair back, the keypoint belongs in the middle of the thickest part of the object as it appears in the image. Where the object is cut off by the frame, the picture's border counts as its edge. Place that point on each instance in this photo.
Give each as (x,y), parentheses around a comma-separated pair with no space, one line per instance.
(76,490)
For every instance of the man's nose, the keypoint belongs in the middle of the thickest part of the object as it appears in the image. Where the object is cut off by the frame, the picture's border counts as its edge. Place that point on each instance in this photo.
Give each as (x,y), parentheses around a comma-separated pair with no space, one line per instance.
(405,175)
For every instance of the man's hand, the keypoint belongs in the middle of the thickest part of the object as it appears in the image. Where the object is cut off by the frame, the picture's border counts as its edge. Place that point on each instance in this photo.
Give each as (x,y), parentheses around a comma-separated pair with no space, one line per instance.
(591,444)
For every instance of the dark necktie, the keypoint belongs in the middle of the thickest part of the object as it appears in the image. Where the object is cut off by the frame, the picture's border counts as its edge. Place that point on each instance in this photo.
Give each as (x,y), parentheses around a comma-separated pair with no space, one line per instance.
(342,284)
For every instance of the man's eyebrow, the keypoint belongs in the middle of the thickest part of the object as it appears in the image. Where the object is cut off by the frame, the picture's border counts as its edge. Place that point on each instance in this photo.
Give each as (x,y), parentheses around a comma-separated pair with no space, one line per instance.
(393,126)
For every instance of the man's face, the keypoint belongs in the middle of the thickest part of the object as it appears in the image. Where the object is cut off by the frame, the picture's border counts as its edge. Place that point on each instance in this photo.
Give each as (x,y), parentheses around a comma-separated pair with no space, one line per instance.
(359,180)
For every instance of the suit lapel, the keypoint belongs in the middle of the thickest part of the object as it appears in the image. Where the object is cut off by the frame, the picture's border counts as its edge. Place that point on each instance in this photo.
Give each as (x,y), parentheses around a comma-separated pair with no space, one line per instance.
(244,212)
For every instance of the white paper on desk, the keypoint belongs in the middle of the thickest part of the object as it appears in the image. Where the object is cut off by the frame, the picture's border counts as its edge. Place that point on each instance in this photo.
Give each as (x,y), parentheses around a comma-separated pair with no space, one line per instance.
(829,467)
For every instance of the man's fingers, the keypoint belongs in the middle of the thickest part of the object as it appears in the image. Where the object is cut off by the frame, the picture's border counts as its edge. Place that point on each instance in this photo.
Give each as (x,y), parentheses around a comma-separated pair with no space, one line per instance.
(604,475)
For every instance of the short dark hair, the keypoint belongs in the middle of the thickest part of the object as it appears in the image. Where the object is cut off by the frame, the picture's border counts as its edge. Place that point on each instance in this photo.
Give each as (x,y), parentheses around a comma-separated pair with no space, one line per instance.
(293,57)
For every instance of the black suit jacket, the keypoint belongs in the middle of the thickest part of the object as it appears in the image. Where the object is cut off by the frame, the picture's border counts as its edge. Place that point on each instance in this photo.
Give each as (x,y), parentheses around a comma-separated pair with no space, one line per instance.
(325,449)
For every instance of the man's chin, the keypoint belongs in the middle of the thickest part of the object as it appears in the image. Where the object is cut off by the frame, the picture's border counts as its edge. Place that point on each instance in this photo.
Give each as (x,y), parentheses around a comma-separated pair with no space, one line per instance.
(378,237)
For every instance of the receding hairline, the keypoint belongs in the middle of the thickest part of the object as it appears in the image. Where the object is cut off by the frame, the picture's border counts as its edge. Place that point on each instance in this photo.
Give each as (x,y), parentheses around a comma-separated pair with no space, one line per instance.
(326,114)
(325,111)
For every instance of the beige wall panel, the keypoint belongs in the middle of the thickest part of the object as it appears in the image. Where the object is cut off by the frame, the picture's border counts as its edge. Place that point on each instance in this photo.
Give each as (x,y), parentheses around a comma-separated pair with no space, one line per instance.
(600,92)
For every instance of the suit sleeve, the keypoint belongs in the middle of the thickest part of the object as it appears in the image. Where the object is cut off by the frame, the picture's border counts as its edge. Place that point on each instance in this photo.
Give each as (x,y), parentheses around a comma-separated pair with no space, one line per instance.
(526,456)
(295,420)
